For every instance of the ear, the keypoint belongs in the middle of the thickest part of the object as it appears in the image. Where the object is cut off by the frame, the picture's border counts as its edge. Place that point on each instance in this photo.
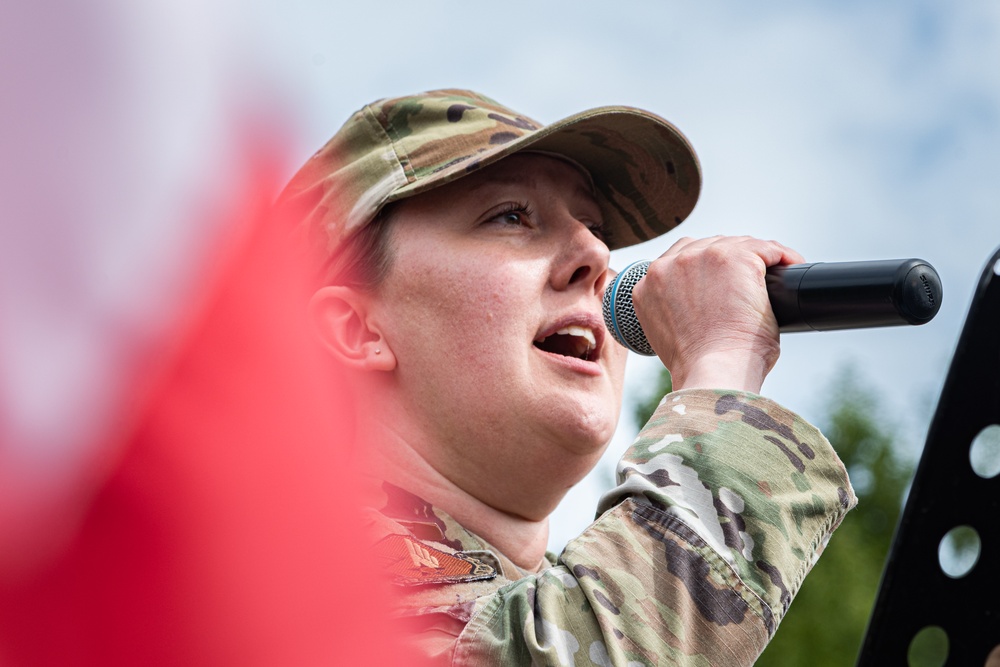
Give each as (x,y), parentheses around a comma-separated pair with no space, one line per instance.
(340,316)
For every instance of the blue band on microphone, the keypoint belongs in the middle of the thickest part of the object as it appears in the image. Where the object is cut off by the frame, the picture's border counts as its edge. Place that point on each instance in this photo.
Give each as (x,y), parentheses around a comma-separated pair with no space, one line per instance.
(619,315)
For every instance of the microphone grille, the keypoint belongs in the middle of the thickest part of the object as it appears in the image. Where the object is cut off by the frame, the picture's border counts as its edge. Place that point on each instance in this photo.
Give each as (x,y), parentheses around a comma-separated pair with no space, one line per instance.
(619,314)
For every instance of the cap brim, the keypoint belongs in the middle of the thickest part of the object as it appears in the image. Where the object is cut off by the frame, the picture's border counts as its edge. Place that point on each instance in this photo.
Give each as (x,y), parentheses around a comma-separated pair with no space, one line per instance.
(645,172)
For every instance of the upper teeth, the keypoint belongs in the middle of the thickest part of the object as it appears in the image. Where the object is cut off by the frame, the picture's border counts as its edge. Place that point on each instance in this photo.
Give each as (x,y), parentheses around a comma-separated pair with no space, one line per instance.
(582,332)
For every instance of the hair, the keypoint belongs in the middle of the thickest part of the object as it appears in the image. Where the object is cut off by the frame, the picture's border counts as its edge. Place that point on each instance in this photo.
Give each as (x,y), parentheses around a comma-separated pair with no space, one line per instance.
(363,261)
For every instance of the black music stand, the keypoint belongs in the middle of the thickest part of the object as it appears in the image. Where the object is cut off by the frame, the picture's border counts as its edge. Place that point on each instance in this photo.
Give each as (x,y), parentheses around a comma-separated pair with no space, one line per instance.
(915,593)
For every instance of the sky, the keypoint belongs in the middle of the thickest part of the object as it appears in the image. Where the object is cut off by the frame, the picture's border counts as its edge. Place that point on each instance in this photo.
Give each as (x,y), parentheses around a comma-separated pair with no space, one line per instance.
(847,130)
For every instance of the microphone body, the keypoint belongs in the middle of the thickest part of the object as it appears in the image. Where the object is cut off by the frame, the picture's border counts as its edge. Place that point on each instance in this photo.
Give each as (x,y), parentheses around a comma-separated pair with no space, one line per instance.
(810,297)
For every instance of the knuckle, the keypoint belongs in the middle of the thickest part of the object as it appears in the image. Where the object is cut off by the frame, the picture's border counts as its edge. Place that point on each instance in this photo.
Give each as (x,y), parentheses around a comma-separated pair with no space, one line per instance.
(681,243)
(719,254)
(686,260)
(655,274)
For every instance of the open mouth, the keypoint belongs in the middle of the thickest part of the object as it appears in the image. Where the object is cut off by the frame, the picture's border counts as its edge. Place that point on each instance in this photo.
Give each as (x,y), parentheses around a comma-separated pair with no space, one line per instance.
(572,341)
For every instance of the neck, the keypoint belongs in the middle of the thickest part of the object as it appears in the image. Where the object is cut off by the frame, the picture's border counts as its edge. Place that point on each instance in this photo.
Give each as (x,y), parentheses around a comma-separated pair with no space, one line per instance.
(390,457)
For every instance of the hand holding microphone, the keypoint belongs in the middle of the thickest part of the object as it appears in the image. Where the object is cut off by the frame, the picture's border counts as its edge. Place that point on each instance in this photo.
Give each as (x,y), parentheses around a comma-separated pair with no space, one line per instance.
(810,297)
(704,310)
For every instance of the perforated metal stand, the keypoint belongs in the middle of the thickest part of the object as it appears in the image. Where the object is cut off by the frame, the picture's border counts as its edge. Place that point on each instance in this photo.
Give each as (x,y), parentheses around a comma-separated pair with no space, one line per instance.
(947,492)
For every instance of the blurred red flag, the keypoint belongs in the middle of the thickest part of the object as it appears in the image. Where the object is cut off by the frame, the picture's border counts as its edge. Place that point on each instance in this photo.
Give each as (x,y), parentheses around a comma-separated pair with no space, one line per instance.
(227,532)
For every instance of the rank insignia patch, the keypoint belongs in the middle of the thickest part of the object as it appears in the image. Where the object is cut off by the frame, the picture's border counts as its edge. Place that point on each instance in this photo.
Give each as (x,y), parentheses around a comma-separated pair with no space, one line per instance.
(411,563)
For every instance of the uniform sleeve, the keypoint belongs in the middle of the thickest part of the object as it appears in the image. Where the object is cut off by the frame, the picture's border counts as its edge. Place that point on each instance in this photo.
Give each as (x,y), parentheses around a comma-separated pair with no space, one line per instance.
(723,504)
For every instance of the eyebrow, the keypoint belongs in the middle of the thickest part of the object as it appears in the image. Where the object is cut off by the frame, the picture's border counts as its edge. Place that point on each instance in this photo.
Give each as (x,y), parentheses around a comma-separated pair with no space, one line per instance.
(515,179)
(512,179)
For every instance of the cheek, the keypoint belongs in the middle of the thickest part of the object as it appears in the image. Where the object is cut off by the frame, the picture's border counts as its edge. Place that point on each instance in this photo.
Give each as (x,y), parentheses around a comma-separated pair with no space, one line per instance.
(617,356)
(491,309)
(463,308)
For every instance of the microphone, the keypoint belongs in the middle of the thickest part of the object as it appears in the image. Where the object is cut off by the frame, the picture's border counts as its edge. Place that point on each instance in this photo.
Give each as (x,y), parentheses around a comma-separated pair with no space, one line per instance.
(809,297)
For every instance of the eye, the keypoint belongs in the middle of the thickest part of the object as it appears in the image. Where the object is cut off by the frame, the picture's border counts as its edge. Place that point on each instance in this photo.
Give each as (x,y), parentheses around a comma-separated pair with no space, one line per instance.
(597,229)
(513,214)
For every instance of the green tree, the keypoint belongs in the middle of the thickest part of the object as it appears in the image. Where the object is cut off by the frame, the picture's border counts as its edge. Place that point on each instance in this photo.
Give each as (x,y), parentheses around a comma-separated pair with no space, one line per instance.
(826,623)
(644,407)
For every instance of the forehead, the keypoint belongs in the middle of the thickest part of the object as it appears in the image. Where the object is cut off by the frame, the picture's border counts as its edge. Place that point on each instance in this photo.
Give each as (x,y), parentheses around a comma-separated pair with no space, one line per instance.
(541,173)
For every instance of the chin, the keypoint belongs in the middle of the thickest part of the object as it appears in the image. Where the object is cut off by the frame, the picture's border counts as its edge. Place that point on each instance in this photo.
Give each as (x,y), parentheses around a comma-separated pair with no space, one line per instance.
(588,431)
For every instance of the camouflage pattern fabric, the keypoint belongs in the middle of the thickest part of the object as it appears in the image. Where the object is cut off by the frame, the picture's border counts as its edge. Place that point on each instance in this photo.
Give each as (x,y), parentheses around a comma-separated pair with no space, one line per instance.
(645,173)
(723,504)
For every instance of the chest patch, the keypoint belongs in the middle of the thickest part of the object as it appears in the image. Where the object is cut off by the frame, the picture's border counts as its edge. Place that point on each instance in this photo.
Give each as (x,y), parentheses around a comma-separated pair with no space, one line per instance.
(410,562)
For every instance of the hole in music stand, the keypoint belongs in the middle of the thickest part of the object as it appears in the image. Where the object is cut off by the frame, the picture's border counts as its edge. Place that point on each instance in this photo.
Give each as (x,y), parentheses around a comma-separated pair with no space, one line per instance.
(928,648)
(958,551)
(984,454)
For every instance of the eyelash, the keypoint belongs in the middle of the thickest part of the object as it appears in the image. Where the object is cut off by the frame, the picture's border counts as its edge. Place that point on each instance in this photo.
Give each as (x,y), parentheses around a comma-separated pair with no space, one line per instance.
(526,211)
(514,207)
(598,231)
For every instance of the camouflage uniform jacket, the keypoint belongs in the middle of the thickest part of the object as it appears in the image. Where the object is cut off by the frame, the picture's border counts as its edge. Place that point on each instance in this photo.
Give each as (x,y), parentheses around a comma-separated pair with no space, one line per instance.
(723,504)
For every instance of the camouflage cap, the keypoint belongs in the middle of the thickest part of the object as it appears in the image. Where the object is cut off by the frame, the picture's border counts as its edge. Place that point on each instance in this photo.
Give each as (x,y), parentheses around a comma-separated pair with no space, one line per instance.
(645,173)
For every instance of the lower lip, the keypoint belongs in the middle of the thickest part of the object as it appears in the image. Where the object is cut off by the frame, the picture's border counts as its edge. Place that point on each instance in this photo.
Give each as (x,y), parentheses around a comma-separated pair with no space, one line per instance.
(572,363)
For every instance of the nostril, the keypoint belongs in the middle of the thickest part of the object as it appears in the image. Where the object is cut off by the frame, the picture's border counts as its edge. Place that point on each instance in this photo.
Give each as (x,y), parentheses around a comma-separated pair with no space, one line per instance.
(579,274)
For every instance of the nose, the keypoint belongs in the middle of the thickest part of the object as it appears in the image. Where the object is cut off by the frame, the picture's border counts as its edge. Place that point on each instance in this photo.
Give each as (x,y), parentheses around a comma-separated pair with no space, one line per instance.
(582,261)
